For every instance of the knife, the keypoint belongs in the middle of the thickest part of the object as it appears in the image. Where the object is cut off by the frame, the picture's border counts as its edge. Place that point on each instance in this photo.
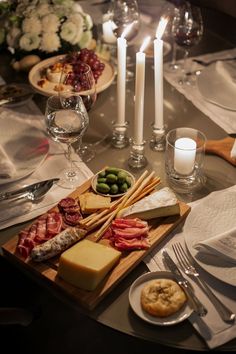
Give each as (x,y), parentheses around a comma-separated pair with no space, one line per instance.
(41,187)
(198,307)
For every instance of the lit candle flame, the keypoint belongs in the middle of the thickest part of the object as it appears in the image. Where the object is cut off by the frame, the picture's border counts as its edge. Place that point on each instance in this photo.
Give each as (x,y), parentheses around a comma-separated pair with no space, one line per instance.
(161,27)
(127,30)
(145,43)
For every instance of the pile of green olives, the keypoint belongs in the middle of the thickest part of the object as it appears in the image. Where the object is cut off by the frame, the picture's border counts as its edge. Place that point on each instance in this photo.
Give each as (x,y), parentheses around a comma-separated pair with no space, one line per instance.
(113,181)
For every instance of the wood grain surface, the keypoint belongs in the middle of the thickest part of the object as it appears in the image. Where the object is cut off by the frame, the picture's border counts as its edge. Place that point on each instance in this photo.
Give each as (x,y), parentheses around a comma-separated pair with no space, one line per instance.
(221,148)
(159,229)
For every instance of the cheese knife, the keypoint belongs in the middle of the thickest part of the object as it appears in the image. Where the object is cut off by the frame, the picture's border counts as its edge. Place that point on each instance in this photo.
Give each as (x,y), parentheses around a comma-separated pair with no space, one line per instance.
(34,191)
(198,307)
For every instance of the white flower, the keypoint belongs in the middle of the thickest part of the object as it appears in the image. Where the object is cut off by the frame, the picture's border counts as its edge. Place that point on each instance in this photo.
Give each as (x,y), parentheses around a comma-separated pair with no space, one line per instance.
(88,21)
(29,41)
(77,19)
(50,42)
(86,39)
(32,24)
(13,37)
(77,8)
(43,9)
(70,32)
(50,23)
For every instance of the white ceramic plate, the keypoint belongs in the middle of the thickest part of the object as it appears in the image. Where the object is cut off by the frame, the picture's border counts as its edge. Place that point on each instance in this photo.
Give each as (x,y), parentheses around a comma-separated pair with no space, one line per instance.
(25,145)
(37,72)
(94,183)
(217,216)
(134,300)
(216,89)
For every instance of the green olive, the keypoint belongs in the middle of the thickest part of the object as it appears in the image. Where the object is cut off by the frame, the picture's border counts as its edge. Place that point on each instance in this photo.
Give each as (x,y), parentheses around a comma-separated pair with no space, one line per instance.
(103,188)
(123,188)
(111,178)
(114,189)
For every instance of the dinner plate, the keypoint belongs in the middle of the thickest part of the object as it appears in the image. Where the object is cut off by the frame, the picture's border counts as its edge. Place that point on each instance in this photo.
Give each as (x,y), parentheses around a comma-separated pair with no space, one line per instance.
(25,145)
(216,89)
(135,303)
(94,183)
(38,71)
(217,216)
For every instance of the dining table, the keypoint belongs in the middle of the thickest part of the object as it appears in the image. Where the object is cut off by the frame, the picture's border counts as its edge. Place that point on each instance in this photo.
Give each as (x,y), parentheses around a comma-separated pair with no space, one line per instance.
(180,110)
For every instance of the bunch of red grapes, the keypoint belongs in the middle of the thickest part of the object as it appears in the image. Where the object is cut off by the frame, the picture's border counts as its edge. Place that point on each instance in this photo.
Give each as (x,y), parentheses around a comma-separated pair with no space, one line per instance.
(88,57)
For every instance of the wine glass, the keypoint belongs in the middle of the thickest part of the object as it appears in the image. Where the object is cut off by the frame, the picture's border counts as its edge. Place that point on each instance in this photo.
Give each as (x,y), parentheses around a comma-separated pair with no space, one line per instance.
(77,79)
(66,121)
(123,13)
(187,30)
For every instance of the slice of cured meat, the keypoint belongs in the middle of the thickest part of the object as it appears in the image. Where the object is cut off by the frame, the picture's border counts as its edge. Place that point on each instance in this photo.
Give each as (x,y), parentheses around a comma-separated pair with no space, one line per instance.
(70,211)
(128,234)
(43,229)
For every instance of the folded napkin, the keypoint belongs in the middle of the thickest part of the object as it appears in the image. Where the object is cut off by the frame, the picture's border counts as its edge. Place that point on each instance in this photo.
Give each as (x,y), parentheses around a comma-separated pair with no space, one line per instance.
(223,246)
(224,118)
(14,209)
(7,168)
(227,69)
(211,328)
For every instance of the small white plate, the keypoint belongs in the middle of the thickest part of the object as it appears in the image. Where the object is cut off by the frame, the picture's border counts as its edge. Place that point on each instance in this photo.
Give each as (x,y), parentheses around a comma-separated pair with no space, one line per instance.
(135,303)
(38,72)
(94,183)
(215,89)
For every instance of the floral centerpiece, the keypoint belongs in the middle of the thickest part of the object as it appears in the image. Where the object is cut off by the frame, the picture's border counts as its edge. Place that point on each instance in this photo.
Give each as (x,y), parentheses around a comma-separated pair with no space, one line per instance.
(46,26)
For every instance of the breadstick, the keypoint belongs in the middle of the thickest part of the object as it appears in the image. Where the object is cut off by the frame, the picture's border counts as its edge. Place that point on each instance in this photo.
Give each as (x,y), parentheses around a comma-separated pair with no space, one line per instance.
(130,192)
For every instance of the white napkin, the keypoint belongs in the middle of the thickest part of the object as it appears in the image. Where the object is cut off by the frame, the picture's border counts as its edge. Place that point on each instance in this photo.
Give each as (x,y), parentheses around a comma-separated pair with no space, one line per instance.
(233,151)
(212,328)
(52,167)
(227,69)
(223,245)
(7,168)
(191,92)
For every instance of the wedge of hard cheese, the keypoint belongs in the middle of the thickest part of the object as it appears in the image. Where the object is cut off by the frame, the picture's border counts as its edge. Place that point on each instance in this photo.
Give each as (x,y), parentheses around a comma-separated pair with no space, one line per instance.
(87,263)
(158,204)
(90,202)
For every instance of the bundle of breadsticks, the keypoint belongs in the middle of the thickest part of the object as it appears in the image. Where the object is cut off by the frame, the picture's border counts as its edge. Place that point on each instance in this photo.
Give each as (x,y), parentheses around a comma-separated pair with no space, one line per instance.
(142,187)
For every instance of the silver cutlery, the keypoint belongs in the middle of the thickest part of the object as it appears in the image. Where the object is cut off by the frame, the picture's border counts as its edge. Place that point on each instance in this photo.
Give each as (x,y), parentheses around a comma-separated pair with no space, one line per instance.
(32,192)
(206,63)
(14,93)
(198,307)
(186,264)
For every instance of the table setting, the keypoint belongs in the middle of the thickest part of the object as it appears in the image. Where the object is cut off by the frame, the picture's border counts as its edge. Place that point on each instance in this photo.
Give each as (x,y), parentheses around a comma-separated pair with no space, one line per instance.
(45,176)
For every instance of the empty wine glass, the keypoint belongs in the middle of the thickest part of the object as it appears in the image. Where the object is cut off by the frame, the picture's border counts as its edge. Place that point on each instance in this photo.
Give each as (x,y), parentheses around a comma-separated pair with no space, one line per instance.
(123,13)
(187,31)
(77,79)
(66,121)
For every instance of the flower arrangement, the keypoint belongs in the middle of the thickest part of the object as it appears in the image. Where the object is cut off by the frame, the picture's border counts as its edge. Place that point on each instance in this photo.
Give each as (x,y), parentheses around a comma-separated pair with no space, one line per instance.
(45,25)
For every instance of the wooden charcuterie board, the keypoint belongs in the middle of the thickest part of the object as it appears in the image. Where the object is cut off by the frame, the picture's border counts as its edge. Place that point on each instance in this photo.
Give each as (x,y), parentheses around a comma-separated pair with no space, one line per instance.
(221,148)
(160,228)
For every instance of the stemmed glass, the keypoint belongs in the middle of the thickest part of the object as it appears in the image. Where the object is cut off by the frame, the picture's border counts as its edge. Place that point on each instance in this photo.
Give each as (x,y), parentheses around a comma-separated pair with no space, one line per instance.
(77,79)
(187,30)
(66,121)
(121,14)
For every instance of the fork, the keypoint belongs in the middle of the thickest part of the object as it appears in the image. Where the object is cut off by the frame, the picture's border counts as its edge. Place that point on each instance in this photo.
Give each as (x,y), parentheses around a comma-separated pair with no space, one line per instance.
(187,266)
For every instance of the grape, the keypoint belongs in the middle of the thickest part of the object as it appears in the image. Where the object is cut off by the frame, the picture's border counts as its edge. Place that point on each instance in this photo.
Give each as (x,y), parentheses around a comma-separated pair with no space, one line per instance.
(77,61)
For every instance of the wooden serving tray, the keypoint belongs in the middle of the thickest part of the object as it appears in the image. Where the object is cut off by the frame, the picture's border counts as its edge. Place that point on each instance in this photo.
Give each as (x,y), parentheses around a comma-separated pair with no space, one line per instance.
(89,299)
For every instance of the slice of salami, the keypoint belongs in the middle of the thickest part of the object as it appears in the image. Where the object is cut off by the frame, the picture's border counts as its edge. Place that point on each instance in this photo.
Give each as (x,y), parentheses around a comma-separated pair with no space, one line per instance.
(72,219)
(66,203)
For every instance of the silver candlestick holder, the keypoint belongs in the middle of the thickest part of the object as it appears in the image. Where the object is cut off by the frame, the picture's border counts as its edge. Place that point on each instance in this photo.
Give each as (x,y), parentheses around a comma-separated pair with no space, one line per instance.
(119,138)
(137,158)
(158,141)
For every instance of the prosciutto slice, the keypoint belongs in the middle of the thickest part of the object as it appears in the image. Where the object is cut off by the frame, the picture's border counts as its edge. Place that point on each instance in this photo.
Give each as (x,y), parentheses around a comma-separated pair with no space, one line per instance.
(128,234)
(43,229)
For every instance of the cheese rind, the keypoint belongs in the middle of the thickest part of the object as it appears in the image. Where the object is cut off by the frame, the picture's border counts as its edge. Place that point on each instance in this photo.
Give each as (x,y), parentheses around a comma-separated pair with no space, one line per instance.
(159,204)
(87,263)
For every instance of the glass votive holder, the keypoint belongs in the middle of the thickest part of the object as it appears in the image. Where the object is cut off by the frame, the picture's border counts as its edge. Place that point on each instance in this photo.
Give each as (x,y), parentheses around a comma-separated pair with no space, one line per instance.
(185,152)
